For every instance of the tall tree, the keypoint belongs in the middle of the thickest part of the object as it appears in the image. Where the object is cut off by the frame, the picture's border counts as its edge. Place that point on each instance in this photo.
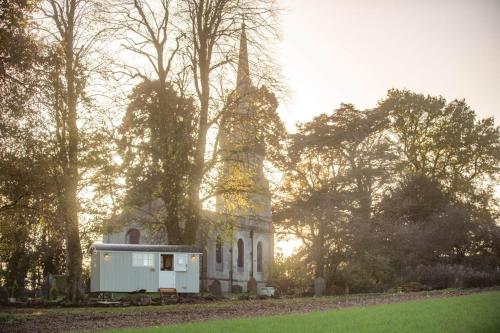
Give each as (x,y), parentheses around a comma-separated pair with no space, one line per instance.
(17,45)
(314,209)
(341,164)
(445,141)
(420,224)
(17,61)
(212,33)
(204,34)
(164,118)
(30,242)
(157,164)
(72,33)
(360,141)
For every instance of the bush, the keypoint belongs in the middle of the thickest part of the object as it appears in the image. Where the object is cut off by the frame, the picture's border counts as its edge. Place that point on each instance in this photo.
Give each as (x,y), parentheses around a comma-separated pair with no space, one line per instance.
(291,276)
(4,295)
(368,273)
(54,293)
(475,279)
(441,276)
(13,290)
(413,287)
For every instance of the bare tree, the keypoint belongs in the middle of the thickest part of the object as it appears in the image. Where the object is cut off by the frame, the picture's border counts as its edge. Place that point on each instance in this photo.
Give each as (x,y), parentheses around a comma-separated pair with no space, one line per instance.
(146,31)
(69,27)
(192,44)
(148,34)
(213,29)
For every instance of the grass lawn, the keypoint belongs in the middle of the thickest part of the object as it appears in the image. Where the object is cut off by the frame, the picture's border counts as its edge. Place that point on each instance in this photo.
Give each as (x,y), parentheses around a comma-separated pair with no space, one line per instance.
(473,313)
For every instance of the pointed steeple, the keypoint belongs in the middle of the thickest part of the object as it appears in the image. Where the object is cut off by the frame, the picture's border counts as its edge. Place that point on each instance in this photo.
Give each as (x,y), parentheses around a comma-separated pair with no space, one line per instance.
(243,80)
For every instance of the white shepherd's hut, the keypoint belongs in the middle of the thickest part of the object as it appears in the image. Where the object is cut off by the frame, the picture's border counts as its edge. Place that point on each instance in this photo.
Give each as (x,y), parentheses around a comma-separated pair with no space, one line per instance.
(131,267)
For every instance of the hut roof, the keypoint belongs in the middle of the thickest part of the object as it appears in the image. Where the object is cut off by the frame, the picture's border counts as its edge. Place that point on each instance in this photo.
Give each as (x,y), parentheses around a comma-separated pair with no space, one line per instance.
(145,248)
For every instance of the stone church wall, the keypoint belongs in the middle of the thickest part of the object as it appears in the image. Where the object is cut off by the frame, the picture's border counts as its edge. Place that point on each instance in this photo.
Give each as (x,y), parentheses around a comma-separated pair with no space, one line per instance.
(240,275)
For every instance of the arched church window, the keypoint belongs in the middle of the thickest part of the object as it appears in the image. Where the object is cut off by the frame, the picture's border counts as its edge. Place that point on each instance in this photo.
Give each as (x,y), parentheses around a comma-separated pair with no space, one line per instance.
(241,255)
(259,257)
(218,253)
(133,236)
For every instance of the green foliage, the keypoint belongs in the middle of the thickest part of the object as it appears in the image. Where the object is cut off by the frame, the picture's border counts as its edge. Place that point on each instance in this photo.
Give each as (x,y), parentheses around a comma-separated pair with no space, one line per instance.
(290,275)
(54,293)
(371,273)
(339,164)
(30,241)
(419,224)
(250,130)
(440,276)
(18,49)
(13,289)
(371,193)
(445,142)
(157,136)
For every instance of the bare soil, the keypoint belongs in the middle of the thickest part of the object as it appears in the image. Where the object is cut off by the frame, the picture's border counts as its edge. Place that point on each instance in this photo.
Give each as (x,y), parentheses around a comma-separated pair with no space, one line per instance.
(95,319)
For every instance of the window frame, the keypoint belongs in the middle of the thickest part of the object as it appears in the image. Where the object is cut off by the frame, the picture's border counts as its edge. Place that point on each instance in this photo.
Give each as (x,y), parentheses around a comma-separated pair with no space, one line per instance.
(241,255)
(129,233)
(219,256)
(143,259)
(162,262)
(259,257)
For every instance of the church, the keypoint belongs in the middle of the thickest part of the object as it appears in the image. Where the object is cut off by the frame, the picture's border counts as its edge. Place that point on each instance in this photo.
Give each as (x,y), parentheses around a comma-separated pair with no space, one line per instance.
(246,252)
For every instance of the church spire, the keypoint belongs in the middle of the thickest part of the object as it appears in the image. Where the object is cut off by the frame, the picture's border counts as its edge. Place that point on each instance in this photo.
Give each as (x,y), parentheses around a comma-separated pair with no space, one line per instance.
(243,80)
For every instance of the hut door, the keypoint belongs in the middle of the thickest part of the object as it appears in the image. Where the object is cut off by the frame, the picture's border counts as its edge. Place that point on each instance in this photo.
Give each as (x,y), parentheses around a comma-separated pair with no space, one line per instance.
(167,274)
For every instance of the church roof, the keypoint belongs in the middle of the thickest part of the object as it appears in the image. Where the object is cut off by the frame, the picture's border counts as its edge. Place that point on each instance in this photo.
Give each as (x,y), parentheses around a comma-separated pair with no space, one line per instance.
(243,79)
(145,248)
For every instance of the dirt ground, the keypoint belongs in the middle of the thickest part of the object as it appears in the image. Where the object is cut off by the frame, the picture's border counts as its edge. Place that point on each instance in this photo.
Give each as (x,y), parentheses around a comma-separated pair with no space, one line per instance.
(95,319)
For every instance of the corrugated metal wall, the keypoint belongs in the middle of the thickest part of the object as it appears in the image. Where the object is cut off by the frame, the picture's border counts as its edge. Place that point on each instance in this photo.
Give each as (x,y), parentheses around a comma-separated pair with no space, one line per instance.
(95,278)
(189,281)
(117,274)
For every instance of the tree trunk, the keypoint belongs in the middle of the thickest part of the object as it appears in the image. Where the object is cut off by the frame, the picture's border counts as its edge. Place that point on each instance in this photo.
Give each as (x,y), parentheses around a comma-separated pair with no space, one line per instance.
(168,155)
(74,250)
(320,251)
(18,263)
(194,214)
(71,176)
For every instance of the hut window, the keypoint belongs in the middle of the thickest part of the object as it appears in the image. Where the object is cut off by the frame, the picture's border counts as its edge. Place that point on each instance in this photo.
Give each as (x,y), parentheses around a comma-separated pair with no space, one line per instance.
(133,236)
(241,255)
(181,262)
(259,257)
(167,262)
(218,254)
(142,259)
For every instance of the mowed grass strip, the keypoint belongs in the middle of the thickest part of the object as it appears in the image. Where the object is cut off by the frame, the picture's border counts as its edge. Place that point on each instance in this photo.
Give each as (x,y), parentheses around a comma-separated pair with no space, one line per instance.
(473,313)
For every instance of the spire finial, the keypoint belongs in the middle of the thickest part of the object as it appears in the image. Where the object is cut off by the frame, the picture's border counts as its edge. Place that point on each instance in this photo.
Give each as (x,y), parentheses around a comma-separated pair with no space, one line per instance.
(243,79)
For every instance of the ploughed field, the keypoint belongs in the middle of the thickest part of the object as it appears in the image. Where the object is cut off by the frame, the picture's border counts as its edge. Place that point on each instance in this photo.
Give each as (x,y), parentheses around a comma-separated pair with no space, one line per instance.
(469,310)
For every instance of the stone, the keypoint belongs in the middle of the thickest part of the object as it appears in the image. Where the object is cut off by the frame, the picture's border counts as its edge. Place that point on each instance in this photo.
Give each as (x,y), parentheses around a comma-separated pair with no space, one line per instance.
(252,285)
(139,299)
(236,289)
(4,295)
(215,288)
(319,287)
(413,287)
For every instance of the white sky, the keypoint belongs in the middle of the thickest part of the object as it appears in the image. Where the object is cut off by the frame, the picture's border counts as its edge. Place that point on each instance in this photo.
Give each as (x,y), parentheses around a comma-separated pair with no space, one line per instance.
(353,51)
